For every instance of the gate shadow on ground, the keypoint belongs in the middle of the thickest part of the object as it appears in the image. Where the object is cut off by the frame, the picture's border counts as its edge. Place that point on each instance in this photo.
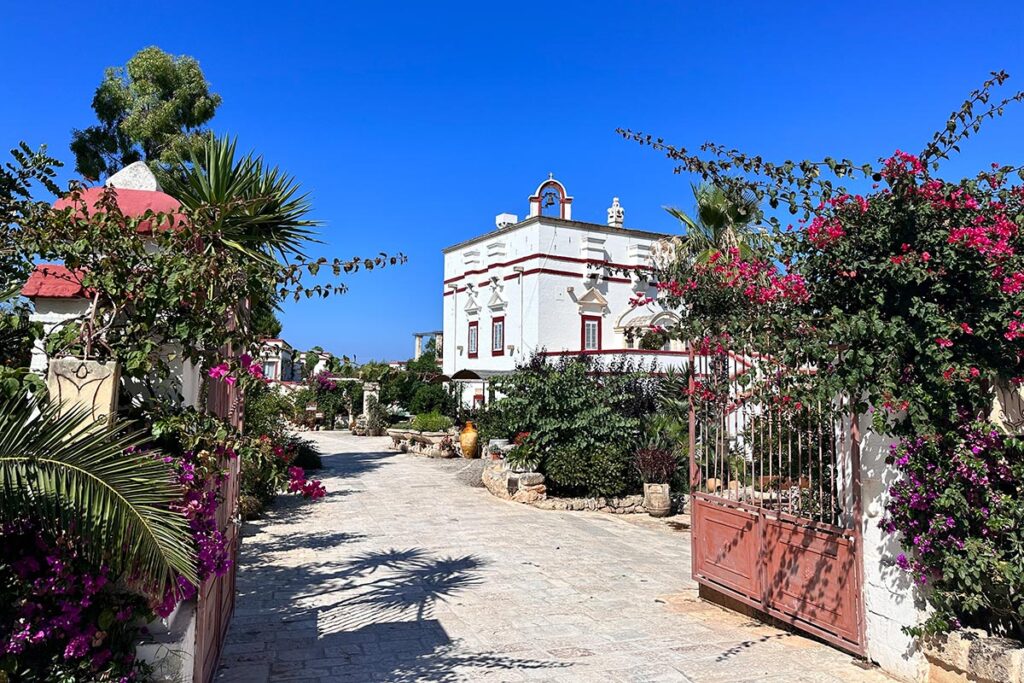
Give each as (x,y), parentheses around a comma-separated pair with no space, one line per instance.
(370,617)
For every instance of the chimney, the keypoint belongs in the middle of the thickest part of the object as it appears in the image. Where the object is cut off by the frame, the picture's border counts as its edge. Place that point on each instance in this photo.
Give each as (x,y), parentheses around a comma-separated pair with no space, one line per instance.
(616,214)
(505,220)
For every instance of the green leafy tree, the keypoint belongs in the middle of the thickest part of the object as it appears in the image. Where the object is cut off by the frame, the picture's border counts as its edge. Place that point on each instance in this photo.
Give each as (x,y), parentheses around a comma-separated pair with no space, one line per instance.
(152,109)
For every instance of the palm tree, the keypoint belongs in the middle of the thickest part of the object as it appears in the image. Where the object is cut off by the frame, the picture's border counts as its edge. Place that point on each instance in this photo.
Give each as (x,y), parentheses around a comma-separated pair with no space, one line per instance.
(255,208)
(90,480)
(722,221)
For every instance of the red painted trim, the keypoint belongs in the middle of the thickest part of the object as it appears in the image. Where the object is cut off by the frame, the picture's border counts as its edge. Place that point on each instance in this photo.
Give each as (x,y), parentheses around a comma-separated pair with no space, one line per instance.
(501,350)
(583,333)
(542,271)
(470,352)
(609,352)
(551,257)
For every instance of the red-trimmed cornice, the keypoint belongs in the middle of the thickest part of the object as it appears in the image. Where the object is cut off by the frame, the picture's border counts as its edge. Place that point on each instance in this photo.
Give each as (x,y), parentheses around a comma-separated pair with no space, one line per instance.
(550,257)
(542,271)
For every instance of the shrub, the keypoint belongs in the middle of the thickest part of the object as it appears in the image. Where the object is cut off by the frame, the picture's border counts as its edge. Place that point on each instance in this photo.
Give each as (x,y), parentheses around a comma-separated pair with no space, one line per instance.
(584,417)
(431,398)
(266,409)
(431,422)
(959,497)
(307,455)
(377,417)
(523,456)
(655,465)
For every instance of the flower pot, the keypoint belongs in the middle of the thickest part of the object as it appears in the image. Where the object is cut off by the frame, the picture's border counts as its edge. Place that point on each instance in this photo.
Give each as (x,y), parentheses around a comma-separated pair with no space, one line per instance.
(657,500)
(91,385)
(468,440)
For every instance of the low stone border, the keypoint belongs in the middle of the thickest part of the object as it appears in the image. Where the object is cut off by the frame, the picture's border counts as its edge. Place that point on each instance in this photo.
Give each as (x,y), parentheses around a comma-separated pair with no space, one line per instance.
(529,488)
(623,505)
(973,655)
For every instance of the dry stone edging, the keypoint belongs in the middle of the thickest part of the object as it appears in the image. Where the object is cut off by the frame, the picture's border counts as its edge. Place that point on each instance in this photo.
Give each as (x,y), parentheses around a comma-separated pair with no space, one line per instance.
(529,488)
(974,655)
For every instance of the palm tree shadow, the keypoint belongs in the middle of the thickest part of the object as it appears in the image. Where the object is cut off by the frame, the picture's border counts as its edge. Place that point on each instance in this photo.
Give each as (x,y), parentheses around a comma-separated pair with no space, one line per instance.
(371,616)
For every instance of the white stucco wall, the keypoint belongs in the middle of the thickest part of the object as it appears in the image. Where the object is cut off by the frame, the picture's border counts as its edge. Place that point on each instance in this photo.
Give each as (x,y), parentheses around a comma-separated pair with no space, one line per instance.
(539,311)
(53,313)
(891,600)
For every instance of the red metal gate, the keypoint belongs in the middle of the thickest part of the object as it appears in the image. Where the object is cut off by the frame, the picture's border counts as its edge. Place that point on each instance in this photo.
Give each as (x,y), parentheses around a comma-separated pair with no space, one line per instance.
(216,600)
(775,493)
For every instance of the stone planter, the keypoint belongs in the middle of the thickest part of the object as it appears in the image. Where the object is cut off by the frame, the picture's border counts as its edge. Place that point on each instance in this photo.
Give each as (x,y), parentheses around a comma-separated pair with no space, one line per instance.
(657,500)
(88,385)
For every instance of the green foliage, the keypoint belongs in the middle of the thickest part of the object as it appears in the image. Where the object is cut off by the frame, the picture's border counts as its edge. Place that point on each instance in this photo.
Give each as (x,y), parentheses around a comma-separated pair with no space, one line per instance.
(152,110)
(908,299)
(266,410)
(431,422)
(432,398)
(255,209)
(376,417)
(722,221)
(307,455)
(94,481)
(584,419)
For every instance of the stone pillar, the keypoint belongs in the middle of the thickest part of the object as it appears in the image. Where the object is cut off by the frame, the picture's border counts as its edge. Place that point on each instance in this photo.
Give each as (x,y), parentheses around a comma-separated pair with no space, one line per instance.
(369,389)
(419,347)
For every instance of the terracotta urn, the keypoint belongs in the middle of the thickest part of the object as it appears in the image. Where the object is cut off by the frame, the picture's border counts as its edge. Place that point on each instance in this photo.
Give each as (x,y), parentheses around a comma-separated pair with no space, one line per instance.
(657,500)
(468,439)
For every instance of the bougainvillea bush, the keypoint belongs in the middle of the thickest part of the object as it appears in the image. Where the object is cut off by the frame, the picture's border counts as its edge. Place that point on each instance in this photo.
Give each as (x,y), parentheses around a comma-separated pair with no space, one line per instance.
(906,291)
(960,509)
(62,617)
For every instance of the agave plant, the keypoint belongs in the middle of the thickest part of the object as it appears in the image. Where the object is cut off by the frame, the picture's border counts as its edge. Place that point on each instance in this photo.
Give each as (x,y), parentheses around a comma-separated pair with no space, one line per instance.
(93,481)
(721,222)
(256,209)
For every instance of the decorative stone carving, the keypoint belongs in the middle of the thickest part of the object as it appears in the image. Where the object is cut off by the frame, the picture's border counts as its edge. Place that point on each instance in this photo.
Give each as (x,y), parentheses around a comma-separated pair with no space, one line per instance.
(85,384)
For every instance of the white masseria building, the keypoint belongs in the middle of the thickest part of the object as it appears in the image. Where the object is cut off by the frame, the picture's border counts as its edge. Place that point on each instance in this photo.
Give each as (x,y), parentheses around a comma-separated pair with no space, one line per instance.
(549,284)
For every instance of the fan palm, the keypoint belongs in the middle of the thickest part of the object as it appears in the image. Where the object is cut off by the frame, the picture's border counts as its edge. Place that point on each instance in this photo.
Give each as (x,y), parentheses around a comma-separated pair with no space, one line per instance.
(255,208)
(722,222)
(89,480)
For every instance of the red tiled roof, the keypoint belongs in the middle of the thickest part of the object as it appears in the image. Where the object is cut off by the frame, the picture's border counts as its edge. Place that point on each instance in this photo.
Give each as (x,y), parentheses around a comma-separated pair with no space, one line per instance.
(133,204)
(50,281)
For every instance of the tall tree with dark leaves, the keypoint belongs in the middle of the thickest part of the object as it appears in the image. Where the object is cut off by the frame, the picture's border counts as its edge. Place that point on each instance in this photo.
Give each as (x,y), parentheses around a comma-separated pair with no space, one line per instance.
(152,109)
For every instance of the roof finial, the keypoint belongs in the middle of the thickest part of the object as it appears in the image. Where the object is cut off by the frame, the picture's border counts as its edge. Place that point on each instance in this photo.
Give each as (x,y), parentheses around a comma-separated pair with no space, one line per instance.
(551,176)
(616,214)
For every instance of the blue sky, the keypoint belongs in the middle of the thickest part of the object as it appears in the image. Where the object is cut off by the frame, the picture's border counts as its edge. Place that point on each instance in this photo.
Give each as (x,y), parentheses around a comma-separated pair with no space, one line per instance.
(414,123)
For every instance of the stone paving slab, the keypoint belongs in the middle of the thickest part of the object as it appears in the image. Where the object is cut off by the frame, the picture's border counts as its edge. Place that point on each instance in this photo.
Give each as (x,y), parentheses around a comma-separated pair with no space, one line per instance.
(404,573)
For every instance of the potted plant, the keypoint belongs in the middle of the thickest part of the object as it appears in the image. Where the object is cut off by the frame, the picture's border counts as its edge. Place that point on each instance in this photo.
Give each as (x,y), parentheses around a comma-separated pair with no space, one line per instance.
(447,446)
(523,456)
(656,467)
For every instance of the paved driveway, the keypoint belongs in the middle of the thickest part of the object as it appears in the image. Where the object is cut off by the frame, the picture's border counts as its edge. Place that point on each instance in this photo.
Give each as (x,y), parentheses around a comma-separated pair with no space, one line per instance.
(403,573)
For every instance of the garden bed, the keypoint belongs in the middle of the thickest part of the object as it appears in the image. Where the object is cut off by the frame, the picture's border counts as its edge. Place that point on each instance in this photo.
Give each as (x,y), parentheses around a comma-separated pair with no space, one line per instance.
(529,488)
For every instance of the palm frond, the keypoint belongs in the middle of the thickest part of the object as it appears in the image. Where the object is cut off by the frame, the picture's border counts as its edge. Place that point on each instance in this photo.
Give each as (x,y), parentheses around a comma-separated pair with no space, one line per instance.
(87,480)
(256,209)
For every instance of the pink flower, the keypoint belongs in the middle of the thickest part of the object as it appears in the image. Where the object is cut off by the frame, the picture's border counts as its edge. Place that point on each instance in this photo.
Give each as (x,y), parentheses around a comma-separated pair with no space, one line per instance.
(230,380)
(966,328)
(943,342)
(218,371)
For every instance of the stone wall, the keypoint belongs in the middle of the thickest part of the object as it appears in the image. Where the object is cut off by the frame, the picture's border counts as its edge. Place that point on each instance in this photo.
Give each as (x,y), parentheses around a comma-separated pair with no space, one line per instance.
(973,656)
